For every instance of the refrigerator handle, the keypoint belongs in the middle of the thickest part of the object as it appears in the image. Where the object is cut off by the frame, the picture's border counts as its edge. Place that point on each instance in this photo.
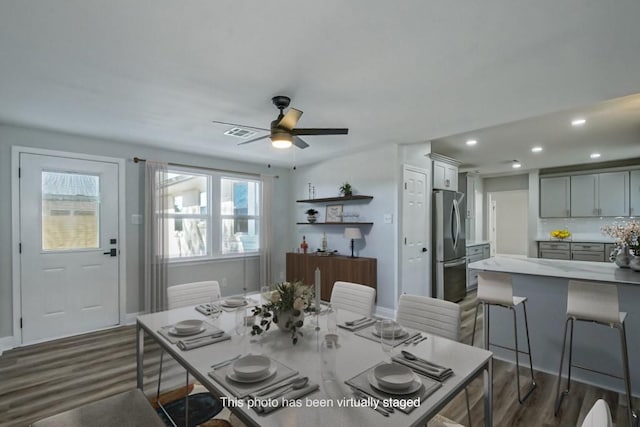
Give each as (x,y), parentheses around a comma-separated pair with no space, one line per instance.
(455,213)
(455,263)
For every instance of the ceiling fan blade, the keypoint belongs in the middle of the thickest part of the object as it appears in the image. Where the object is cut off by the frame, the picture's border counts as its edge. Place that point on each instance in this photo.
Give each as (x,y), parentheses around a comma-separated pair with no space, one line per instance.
(320,131)
(290,119)
(254,139)
(237,125)
(298,142)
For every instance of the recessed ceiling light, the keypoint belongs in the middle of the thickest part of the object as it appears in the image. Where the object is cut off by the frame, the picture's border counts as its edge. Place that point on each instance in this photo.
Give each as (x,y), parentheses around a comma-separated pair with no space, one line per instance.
(472,142)
(578,122)
(516,165)
(595,155)
(536,149)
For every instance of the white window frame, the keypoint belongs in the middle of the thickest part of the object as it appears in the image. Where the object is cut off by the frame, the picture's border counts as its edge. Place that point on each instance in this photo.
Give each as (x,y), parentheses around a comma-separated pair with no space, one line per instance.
(214,216)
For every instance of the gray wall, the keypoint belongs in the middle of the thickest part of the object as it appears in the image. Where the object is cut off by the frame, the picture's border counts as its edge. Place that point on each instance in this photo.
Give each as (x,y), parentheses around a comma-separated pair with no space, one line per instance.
(231,269)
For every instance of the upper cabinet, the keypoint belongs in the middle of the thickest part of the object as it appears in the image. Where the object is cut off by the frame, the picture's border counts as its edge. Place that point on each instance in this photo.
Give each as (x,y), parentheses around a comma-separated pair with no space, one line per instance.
(634,208)
(554,197)
(445,176)
(601,194)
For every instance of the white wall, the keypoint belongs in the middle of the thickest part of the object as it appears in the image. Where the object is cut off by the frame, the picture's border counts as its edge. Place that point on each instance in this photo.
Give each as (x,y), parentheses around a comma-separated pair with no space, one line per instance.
(375,173)
(502,183)
(511,221)
(134,200)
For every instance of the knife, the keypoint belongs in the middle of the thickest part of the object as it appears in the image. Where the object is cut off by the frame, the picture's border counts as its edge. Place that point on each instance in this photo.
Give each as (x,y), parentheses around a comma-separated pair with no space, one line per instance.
(275,387)
(363,395)
(412,338)
(356,321)
(225,362)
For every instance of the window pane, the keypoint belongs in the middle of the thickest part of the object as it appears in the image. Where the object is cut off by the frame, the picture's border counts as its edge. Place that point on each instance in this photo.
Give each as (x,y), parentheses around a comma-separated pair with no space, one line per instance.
(246,240)
(239,197)
(184,193)
(187,237)
(70,211)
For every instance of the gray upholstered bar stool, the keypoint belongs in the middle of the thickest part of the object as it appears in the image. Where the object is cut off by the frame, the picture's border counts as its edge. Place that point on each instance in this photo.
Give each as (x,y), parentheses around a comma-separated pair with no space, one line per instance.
(497,289)
(596,303)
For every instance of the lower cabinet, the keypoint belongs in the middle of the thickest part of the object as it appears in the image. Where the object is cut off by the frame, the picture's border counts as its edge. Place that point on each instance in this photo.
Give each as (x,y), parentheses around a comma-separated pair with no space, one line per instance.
(363,271)
(476,253)
(575,251)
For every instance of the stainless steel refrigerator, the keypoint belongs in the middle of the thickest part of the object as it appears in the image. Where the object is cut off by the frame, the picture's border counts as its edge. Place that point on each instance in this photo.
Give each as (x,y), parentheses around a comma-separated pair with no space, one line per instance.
(449,248)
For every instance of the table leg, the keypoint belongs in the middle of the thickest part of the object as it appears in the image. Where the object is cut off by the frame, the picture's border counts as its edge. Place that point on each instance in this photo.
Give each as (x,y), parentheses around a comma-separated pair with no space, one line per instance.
(488,393)
(140,356)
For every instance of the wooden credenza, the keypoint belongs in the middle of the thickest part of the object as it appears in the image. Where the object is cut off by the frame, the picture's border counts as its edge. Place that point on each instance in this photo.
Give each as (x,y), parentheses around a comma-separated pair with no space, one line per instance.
(363,271)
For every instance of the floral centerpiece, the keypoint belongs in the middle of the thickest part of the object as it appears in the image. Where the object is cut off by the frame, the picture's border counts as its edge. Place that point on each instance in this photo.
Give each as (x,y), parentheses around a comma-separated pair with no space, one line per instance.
(561,234)
(285,308)
(626,235)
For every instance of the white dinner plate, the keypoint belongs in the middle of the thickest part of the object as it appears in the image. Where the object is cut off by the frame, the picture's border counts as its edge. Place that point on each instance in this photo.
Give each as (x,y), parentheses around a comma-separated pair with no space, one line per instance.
(396,336)
(188,326)
(413,387)
(174,331)
(251,367)
(270,373)
(394,376)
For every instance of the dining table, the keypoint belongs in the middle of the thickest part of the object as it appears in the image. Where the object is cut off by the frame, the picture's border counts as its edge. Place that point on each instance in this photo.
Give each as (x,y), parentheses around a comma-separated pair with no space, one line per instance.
(332,402)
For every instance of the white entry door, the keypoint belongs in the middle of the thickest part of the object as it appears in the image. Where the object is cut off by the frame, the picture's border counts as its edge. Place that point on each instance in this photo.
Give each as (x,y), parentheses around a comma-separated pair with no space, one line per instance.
(69,246)
(415,235)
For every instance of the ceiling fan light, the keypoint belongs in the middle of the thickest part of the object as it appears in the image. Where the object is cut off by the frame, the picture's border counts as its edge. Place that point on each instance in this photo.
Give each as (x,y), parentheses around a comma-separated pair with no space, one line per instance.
(281,141)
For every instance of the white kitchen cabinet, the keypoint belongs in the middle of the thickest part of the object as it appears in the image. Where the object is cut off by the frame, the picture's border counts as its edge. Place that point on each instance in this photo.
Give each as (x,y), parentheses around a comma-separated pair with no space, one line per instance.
(634,208)
(471,197)
(601,194)
(445,176)
(554,197)
(584,195)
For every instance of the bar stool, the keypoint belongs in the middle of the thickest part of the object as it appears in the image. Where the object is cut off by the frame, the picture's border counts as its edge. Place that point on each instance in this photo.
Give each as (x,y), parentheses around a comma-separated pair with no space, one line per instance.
(596,303)
(497,289)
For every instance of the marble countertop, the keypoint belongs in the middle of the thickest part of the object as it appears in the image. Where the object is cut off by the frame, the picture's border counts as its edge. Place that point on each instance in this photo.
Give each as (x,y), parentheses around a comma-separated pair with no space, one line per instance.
(580,270)
(470,243)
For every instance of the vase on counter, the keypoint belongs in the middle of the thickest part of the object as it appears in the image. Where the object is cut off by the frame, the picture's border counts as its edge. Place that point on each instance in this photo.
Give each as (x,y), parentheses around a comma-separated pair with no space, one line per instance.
(634,264)
(285,319)
(623,258)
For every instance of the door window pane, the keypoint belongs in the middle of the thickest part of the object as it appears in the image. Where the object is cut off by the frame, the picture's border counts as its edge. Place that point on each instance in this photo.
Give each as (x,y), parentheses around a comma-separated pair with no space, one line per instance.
(70,211)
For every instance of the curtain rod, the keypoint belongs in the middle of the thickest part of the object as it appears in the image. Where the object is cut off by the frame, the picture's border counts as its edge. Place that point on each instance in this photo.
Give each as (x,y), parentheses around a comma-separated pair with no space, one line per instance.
(183,165)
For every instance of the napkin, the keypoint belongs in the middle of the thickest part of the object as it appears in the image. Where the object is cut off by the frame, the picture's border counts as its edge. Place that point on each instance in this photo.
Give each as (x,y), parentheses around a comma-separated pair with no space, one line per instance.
(186,345)
(209,329)
(275,404)
(437,372)
(357,326)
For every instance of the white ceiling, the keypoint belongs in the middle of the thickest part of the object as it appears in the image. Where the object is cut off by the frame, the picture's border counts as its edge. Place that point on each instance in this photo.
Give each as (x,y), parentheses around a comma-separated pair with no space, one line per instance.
(612,129)
(156,72)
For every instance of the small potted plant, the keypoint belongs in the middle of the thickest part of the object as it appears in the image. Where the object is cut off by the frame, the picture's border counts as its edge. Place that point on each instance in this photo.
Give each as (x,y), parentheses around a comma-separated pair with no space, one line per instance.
(346,190)
(311,215)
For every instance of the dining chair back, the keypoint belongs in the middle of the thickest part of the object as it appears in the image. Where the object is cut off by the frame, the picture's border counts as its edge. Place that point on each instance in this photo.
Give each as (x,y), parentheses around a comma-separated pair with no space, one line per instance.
(431,315)
(191,293)
(598,416)
(353,297)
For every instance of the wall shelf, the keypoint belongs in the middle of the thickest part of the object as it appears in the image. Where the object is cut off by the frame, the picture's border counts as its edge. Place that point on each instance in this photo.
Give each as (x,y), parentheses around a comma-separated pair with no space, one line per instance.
(334,223)
(336,199)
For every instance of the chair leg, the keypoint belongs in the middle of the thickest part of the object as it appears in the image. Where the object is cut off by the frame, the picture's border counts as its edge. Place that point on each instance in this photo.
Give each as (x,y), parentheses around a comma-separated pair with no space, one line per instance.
(475,320)
(160,375)
(632,418)
(466,395)
(526,327)
(485,329)
(186,403)
(515,336)
(559,396)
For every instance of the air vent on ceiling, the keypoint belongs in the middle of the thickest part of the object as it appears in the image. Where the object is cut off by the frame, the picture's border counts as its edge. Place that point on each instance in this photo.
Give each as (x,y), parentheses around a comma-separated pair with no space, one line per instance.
(240,133)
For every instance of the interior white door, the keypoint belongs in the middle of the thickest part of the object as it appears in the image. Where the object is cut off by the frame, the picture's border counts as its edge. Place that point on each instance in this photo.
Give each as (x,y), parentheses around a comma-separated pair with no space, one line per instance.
(415,230)
(69,246)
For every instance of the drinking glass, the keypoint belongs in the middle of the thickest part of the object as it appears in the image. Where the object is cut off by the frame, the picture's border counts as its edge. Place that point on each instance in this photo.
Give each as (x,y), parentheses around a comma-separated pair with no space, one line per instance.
(214,306)
(264,292)
(387,335)
(332,320)
(244,325)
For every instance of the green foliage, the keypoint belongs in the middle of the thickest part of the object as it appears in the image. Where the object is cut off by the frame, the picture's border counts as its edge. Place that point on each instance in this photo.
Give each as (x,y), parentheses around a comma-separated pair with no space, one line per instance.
(345,189)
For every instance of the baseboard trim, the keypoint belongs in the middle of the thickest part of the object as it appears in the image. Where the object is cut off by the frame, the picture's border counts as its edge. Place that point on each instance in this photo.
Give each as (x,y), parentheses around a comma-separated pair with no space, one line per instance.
(130,318)
(6,343)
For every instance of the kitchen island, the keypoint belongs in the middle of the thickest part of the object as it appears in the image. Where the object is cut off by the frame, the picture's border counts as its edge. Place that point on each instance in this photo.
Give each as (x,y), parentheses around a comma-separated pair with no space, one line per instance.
(544,282)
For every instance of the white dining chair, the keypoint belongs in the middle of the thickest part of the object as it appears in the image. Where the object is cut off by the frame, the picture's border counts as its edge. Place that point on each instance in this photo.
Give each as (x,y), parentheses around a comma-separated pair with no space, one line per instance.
(184,295)
(598,416)
(353,297)
(433,316)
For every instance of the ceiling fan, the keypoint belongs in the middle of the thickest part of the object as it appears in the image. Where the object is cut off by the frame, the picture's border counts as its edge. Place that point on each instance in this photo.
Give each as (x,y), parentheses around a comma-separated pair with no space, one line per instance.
(283,132)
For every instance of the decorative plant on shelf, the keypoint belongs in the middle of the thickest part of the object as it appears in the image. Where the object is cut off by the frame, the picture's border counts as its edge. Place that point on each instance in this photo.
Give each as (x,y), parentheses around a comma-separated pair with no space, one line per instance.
(346,190)
(311,215)
(285,308)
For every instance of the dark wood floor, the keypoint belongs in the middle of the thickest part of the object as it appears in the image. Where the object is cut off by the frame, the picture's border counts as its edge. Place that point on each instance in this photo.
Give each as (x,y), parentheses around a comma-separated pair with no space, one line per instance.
(45,379)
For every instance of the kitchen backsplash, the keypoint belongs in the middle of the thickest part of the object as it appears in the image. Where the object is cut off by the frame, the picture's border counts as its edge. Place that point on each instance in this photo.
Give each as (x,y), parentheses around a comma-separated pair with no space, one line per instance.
(580,228)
